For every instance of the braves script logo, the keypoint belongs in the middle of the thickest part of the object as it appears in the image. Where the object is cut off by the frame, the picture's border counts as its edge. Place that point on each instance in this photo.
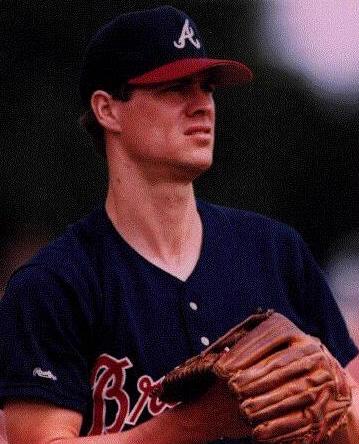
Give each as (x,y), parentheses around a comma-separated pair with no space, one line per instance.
(108,380)
(187,34)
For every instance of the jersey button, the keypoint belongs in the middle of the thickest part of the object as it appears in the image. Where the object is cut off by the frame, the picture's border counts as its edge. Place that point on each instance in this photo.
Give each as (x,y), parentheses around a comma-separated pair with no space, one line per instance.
(204,340)
(194,306)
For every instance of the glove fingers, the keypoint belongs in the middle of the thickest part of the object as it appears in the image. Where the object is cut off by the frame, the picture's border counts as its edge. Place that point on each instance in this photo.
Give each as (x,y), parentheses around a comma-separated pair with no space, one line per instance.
(291,403)
(287,428)
(333,420)
(312,423)
(276,378)
(308,355)
(293,395)
(325,422)
(260,343)
(342,388)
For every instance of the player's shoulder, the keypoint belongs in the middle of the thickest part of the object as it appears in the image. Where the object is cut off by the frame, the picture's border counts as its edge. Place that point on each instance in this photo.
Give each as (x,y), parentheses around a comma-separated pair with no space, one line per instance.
(76,237)
(249,222)
(70,255)
(61,277)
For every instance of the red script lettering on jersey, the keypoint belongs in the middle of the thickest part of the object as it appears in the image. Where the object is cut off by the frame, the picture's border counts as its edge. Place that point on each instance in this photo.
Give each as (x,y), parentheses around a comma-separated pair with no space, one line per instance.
(108,380)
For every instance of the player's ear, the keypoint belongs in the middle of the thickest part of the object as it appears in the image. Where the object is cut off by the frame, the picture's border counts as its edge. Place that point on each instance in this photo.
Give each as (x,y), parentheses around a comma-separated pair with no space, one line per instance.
(106,110)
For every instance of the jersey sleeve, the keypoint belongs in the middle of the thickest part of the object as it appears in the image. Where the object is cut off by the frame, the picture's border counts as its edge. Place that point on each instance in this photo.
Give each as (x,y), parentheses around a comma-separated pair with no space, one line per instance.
(45,335)
(318,307)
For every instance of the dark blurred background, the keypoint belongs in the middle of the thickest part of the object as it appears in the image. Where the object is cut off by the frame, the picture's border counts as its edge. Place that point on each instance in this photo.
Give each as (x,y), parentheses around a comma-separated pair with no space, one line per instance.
(287,146)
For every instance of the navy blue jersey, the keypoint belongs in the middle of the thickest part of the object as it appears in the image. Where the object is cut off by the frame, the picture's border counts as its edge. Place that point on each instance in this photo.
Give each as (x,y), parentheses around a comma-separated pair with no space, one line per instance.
(90,325)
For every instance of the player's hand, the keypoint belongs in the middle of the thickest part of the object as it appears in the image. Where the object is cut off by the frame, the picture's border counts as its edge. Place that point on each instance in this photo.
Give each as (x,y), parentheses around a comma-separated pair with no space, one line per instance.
(217,413)
(2,429)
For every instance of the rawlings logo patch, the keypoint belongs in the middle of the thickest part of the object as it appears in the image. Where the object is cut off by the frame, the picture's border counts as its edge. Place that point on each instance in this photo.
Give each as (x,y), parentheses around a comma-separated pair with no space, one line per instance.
(44,374)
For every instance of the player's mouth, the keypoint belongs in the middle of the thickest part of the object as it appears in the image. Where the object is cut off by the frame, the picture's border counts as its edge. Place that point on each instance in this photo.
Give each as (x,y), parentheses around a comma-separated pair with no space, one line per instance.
(198,129)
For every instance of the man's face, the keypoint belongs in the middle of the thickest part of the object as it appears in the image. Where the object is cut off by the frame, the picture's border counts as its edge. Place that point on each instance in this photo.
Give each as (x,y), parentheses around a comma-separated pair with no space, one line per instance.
(169,128)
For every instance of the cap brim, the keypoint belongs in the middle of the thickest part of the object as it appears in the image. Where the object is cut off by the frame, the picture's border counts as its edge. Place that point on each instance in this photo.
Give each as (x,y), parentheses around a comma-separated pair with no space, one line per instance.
(226,72)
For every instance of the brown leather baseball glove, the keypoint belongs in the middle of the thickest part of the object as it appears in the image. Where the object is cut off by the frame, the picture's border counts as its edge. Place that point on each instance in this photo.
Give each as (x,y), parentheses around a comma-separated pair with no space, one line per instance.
(288,386)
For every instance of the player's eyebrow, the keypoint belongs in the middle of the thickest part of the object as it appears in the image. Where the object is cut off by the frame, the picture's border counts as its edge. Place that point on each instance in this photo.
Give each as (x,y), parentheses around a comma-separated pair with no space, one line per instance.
(185,81)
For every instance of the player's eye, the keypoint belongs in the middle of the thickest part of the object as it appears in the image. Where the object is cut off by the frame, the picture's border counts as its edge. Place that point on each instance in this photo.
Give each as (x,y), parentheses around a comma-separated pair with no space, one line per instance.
(185,86)
(174,87)
(208,87)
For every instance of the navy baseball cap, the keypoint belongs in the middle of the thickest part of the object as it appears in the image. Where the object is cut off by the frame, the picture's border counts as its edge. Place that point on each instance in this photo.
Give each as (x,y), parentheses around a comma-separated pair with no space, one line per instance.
(149,47)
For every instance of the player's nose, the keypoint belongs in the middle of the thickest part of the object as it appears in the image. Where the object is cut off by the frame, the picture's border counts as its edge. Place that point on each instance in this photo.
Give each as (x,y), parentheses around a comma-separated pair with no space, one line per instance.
(200,100)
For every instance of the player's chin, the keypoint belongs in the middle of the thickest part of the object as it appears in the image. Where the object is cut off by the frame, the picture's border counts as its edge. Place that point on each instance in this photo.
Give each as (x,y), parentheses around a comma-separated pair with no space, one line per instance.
(198,166)
(200,141)
(203,164)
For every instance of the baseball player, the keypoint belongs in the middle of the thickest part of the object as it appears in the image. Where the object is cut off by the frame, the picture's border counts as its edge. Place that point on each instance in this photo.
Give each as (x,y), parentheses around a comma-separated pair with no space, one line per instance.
(92,323)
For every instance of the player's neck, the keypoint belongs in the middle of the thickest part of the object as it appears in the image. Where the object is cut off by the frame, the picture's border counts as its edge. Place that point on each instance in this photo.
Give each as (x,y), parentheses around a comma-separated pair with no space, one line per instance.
(159,220)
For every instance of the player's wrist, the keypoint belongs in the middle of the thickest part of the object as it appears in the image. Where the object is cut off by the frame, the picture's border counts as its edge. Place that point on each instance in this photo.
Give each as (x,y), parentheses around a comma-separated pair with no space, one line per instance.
(177,426)
(197,426)
(216,415)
